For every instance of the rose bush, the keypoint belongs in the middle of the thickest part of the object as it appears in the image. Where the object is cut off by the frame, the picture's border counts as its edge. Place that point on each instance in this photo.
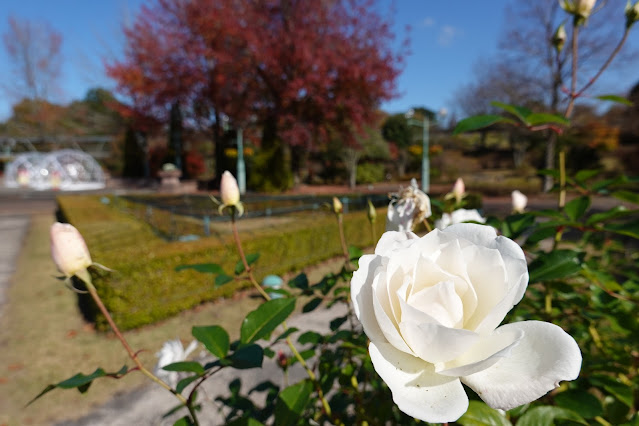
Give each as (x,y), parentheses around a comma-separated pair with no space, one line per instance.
(431,308)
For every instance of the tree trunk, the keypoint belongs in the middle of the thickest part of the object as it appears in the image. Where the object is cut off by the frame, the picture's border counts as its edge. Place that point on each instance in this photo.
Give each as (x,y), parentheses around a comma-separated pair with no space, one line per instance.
(402,159)
(273,169)
(218,162)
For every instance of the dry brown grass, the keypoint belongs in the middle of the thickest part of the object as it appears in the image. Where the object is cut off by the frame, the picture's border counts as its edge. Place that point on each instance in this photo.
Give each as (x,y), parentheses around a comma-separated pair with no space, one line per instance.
(44,340)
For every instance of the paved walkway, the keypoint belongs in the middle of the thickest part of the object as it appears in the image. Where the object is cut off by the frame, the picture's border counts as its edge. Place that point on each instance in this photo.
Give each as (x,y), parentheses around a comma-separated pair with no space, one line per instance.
(15,215)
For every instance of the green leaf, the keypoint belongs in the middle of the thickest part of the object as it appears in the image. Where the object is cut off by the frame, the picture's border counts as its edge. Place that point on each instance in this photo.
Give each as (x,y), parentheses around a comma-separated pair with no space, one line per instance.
(262,321)
(354,253)
(514,225)
(312,304)
(480,414)
(190,366)
(208,268)
(520,112)
(214,338)
(309,337)
(184,421)
(291,402)
(182,384)
(631,197)
(478,122)
(249,356)
(580,401)
(540,234)
(546,415)
(583,175)
(613,213)
(549,172)
(630,229)
(623,393)
(222,279)
(250,259)
(286,333)
(615,98)
(300,281)
(82,382)
(554,265)
(576,208)
(544,118)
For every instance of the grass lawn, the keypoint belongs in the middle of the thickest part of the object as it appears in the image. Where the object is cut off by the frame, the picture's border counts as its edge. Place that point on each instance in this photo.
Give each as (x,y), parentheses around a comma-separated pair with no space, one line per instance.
(44,340)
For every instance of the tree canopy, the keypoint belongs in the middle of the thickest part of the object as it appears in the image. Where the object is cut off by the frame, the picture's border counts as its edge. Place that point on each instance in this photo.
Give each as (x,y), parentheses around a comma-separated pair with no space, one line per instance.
(291,67)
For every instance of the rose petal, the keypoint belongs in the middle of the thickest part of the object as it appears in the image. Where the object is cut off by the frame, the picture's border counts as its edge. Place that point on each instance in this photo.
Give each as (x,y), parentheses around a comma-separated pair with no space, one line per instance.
(441,302)
(498,312)
(384,317)
(433,342)
(545,356)
(487,273)
(417,390)
(488,351)
(514,264)
(451,259)
(486,236)
(393,240)
(362,295)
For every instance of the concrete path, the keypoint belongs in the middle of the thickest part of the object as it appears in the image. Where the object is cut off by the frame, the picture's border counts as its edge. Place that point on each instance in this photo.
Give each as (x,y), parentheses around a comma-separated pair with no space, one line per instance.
(12,232)
(16,209)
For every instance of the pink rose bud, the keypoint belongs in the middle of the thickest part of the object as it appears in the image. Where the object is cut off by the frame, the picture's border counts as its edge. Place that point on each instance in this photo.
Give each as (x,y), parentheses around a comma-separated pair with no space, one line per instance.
(229,191)
(68,249)
(459,190)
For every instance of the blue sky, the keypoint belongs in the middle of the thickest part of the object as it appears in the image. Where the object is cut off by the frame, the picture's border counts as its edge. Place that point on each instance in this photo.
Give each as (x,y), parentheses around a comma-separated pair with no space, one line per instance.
(446,39)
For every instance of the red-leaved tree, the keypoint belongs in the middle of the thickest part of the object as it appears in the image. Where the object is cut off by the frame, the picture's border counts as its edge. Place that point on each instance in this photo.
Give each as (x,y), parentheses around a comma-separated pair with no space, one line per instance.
(292,68)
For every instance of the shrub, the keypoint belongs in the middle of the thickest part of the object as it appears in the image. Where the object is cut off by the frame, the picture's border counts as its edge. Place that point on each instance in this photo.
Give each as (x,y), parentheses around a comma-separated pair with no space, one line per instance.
(145,286)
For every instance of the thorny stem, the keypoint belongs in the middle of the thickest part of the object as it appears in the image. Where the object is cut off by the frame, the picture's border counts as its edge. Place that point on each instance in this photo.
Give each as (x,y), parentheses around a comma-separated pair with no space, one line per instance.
(247,268)
(127,347)
(265,295)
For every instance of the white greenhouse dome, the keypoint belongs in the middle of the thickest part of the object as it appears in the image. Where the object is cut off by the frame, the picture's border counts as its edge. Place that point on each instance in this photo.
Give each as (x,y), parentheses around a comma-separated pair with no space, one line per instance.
(66,170)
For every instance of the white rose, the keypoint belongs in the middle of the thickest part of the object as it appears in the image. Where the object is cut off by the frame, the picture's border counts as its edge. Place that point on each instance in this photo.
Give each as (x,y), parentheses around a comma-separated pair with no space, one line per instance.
(68,250)
(409,206)
(431,308)
(172,351)
(459,216)
(519,201)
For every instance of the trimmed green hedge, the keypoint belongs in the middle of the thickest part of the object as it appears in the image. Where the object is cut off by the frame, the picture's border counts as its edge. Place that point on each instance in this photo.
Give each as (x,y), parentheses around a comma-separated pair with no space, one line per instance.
(146,288)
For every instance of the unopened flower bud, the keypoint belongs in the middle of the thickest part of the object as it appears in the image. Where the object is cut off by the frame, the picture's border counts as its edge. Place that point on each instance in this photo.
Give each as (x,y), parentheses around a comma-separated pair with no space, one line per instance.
(459,190)
(519,201)
(371,213)
(337,206)
(559,38)
(69,251)
(632,13)
(580,9)
(229,191)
